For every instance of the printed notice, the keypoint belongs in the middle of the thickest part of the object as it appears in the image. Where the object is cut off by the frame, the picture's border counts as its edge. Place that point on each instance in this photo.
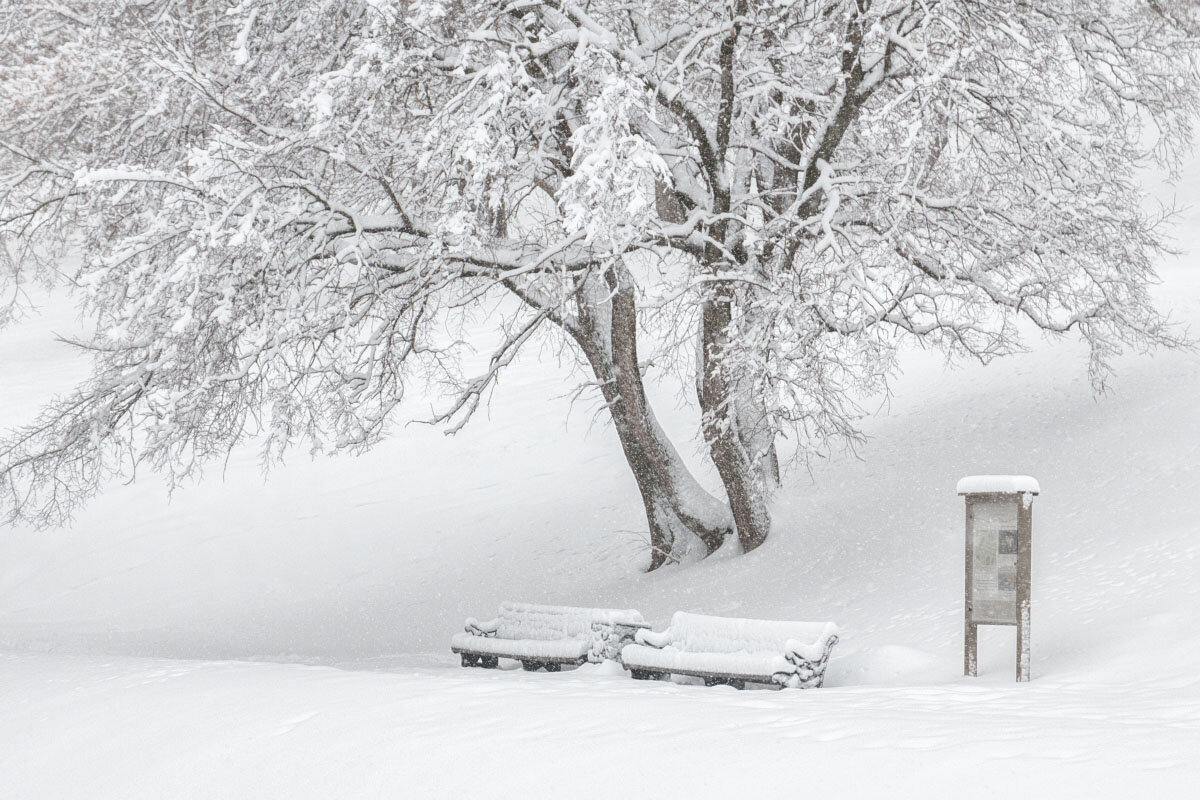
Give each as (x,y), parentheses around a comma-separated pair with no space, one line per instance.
(994,571)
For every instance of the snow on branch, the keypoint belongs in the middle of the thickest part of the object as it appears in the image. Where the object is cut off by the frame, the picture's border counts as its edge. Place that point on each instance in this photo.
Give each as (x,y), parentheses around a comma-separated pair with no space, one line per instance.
(287,214)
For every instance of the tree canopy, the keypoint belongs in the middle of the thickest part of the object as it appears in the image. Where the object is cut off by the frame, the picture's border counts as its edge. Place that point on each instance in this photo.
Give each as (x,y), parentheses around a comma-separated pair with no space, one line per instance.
(286,208)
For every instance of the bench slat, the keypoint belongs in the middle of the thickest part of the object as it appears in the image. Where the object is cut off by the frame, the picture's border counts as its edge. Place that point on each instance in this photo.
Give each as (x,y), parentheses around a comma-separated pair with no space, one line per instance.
(565,649)
(522,656)
(725,676)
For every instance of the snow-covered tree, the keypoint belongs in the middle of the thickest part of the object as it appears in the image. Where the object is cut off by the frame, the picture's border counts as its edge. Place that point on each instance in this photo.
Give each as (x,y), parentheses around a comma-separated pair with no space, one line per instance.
(286,209)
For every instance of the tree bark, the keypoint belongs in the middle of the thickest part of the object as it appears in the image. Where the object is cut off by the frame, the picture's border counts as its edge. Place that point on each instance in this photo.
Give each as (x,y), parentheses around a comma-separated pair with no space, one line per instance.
(675,503)
(741,471)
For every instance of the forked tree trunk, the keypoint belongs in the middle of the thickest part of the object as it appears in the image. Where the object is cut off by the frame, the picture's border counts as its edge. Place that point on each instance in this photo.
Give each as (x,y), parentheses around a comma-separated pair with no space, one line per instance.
(677,507)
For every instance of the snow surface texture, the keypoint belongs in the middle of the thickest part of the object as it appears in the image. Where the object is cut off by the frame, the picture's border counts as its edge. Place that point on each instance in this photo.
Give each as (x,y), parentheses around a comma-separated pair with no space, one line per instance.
(542,631)
(133,645)
(769,649)
(1003,484)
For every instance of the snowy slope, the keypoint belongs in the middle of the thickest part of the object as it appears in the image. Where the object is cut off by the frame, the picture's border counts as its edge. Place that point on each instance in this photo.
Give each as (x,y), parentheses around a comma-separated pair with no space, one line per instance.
(124,641)
(134,728)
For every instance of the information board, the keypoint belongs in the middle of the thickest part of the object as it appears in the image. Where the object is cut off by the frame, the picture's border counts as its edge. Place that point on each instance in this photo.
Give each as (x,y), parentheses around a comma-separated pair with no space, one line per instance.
(999,545)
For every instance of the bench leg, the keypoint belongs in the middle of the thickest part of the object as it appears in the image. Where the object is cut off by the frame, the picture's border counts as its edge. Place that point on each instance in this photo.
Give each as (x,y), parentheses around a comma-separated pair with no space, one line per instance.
(468,660)
(713,680)
(489,662)
(530,666)
(553,667)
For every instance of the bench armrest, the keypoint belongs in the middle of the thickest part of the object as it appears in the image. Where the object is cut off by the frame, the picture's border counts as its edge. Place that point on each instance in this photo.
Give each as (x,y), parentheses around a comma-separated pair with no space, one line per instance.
(477,628)
(651,638)
(799,652)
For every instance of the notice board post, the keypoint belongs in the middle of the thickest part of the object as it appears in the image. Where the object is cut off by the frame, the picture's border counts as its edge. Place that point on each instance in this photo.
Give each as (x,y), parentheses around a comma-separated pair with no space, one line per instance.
(999,544)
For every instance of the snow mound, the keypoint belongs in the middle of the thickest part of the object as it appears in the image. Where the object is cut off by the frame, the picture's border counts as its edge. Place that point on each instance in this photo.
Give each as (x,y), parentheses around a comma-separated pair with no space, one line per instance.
(890,665)
(702,633)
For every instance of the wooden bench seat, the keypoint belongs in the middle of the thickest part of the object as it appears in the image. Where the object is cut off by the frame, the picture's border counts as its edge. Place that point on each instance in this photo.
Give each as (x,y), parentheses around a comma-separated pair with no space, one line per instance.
(541,636)
(734,651)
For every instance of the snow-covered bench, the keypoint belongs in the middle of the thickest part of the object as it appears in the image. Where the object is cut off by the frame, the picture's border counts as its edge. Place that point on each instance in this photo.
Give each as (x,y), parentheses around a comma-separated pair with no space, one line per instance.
(546,636)
(727,650)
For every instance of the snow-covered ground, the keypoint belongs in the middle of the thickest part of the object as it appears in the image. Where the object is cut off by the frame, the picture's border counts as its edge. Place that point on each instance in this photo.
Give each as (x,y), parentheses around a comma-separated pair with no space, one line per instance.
(288,638)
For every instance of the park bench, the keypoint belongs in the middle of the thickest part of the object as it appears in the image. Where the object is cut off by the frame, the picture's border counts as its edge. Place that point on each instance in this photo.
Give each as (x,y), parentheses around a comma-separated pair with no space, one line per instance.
(546,636)
(727,650)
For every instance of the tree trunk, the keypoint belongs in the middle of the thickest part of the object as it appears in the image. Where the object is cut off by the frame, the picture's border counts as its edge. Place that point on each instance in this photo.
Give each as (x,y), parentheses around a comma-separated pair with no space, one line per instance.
(677,507)
(744,473)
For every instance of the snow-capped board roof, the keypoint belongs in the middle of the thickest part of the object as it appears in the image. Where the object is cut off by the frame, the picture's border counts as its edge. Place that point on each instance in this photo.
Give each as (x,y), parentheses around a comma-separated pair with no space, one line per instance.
(1001,484)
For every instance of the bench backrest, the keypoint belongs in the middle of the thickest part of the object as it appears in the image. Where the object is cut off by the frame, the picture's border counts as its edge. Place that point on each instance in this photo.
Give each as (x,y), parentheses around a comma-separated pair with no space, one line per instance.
(700,633)
(550,623)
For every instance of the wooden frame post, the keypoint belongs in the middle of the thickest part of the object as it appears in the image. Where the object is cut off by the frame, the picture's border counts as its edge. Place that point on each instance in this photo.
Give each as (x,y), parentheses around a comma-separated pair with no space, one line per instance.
(1024,579)
(970,629)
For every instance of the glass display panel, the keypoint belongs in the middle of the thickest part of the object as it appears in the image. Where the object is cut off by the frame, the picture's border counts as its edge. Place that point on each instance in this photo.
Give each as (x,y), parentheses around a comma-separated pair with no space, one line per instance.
(994,562)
